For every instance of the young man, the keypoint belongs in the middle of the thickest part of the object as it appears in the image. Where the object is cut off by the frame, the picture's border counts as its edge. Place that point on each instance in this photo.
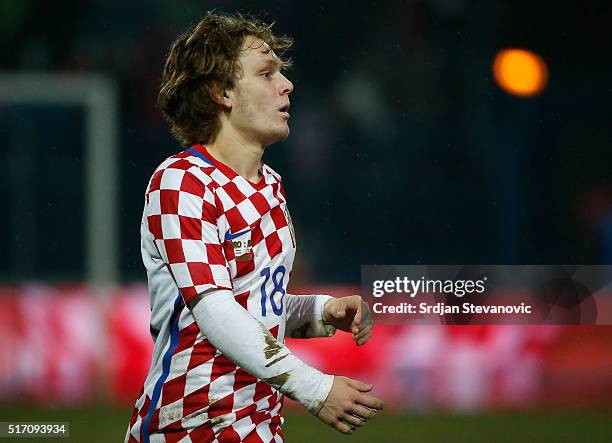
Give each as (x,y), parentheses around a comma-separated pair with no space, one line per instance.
(218,246)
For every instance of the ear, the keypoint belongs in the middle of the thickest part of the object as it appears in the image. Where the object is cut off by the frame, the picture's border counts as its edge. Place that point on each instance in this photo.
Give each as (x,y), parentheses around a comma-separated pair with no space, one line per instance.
(222,97)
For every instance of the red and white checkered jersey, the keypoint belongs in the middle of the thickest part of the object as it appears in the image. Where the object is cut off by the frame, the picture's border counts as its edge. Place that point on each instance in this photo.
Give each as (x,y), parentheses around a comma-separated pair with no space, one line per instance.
(206,227)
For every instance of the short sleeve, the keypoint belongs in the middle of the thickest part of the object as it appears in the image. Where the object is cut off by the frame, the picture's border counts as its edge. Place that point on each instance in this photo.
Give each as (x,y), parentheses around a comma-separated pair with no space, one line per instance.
(181,215)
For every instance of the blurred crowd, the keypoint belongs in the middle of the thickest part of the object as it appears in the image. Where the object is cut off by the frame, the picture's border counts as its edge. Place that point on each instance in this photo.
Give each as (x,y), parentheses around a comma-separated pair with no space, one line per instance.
(82,350)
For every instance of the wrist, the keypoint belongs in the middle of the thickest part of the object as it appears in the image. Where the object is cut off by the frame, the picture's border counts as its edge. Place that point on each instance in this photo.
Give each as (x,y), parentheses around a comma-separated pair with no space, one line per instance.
(309,386)
(324,315)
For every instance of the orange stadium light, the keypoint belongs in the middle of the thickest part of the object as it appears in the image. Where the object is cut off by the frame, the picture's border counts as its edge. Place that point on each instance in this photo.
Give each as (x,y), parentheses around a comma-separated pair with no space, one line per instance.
(520,72)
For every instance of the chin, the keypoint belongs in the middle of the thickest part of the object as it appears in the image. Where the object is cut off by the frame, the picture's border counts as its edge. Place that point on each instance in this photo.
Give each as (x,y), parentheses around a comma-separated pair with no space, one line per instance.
(285,134)
(278,136)
(285,131)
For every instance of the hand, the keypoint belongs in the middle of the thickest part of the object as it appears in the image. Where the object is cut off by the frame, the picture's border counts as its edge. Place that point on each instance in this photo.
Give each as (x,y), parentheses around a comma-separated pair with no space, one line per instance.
(348,406)
(350,314)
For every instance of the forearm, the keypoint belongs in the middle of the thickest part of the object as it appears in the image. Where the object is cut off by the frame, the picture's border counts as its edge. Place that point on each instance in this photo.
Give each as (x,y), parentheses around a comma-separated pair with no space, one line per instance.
(304,315)
(249,344)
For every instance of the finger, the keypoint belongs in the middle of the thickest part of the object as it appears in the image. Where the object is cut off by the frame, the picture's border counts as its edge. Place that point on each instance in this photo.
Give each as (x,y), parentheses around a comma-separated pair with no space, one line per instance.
(363,340)
(343,427)
(364,413)
(353,420)
(359,385)
(366,313)
(357,319)
(363,332)
(371,402)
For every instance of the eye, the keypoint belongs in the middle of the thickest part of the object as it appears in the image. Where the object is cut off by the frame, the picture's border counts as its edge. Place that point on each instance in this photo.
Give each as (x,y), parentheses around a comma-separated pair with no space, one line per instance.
(265,74)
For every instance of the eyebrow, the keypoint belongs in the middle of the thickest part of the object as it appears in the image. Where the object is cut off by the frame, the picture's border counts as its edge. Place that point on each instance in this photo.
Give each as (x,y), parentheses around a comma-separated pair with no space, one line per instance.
(270,62)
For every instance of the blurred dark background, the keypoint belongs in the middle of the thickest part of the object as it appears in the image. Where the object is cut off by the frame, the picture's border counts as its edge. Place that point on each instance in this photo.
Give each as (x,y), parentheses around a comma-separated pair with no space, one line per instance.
(402,147)
(403,150)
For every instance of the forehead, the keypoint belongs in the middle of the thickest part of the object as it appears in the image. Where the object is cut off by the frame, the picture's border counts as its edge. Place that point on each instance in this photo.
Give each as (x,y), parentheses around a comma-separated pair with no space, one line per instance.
(254,50)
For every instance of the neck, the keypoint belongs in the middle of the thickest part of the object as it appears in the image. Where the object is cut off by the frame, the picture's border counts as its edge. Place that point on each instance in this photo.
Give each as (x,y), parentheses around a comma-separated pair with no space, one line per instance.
(236,151)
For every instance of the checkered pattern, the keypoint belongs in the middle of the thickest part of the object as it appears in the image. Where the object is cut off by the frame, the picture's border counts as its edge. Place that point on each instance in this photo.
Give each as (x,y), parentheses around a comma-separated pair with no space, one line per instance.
(205,227)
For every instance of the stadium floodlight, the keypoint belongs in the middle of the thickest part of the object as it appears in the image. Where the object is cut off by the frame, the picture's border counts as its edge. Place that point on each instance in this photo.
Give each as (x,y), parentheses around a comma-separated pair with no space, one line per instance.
(98,95)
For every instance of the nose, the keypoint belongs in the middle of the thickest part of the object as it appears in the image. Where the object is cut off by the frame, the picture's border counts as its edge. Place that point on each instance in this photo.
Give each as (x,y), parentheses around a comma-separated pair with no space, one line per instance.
(287,86)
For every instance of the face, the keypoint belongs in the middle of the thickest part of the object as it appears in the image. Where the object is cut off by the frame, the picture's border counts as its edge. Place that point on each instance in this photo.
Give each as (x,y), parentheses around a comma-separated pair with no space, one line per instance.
(260,101)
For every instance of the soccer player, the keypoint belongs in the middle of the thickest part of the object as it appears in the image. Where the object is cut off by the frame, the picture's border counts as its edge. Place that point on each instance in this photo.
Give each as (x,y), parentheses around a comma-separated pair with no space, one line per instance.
(218,246)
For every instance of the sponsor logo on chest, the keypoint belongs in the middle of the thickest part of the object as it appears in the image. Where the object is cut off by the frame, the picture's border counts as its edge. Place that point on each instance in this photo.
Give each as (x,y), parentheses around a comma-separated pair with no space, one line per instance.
(241,243)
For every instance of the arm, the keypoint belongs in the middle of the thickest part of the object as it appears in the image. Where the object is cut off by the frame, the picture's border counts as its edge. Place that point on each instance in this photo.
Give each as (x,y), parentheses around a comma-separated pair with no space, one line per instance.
(305,316)
(310,316)
(340,402)
(249,344)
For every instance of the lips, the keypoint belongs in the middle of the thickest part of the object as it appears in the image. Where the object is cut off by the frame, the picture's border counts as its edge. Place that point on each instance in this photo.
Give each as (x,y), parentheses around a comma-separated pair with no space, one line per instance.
(284,110)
